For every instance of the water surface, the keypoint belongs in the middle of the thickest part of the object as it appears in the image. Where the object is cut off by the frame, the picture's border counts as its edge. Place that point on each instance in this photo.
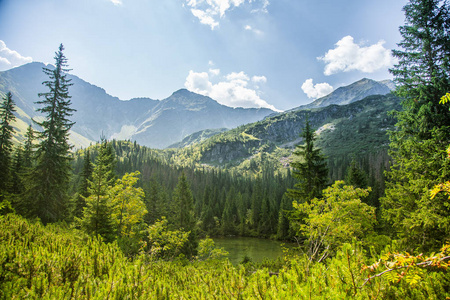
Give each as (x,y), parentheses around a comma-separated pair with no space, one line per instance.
(254,248)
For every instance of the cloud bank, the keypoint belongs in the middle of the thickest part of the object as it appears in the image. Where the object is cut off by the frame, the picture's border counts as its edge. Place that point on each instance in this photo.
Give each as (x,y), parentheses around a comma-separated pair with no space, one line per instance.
(315,91)
(348,56)
(10,58)
(236,89)
(209,12)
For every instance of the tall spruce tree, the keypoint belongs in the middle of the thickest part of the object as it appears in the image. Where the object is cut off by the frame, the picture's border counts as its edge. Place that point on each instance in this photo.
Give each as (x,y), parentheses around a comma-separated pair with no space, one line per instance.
(28,148)
(7,109)
(46,194)
(185,204)
(97,214)
(310,168)
(185,220)
(418,146)
(283,229)
(83,188)
(17,169)
(356,176)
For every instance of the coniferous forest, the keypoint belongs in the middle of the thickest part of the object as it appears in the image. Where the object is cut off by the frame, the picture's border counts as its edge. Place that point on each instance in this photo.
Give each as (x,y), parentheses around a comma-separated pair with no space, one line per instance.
(118,220)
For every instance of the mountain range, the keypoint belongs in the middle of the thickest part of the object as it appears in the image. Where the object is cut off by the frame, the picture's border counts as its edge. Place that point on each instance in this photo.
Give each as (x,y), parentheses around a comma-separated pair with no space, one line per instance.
(154,123)
(178,121)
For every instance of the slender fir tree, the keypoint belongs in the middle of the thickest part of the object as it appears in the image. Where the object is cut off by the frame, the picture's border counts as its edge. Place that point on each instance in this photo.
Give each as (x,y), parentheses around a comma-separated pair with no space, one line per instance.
(17,186)
(356,176)
(46,194)
(97,214)
(310,168)
(28,148)
(83,188)
(418,146)
(184,202)
(7,109)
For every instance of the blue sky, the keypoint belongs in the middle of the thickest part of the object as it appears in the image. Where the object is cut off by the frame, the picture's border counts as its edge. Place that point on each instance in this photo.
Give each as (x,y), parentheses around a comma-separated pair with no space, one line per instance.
(251,53)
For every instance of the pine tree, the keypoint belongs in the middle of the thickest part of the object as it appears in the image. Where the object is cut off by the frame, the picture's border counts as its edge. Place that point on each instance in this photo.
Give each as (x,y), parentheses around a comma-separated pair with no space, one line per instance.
(418,146)
(28,148)
(17,186)
(310,168)
(97,214)
(185,204)
(185,220)
(423,70)
(83,189)
(283,220)
(47,196)
(355,176)
(7,110)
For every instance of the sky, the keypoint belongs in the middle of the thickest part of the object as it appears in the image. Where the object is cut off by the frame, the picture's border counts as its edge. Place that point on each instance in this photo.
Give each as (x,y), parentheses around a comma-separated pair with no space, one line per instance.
(278,54)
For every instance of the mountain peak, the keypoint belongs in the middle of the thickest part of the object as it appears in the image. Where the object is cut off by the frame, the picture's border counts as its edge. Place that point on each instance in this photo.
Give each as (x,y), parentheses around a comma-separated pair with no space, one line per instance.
(351,93)
(182,92)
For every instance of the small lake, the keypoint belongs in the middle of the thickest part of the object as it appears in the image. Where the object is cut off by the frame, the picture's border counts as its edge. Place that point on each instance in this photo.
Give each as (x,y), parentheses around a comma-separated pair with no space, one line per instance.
(255,248)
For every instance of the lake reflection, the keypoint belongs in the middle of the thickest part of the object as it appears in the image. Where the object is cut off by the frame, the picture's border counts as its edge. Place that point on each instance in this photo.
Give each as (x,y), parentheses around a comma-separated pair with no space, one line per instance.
(255,248)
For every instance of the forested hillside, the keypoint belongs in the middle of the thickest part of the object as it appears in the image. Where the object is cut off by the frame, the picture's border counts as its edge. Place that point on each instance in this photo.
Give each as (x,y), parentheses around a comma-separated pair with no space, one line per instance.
(354,132)
(225,202)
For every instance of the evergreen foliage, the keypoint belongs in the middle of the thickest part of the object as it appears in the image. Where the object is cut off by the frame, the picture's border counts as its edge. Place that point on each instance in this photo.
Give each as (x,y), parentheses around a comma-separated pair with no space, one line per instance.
(418,146)
(48,181)
(310,168)
(97,214)
(185,220)
(211,188)
(17,170)
(7,109)
(83,187)
(423,70)
(356,177)
(28,148)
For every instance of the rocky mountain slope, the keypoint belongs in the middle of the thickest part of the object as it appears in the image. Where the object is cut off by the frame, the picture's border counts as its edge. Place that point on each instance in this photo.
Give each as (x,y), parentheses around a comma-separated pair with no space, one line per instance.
(153,123)
(351,93)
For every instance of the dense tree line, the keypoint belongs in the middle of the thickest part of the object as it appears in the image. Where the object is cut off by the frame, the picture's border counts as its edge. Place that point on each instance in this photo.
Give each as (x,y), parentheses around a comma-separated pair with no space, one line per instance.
(223,202)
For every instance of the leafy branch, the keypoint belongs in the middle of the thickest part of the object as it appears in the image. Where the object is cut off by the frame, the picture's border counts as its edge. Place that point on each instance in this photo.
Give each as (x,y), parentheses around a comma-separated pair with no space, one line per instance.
(395,262)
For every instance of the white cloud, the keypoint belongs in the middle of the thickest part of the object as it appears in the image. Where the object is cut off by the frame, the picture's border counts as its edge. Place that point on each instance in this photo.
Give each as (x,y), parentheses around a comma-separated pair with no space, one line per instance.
(255,31)
(235,89)
(117,2)
(263,9)
(209,12)
(214,72)
(348,56)
(315,91)
(198,83)
(10,58)
(241,76)
(259,79)
(205,17)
